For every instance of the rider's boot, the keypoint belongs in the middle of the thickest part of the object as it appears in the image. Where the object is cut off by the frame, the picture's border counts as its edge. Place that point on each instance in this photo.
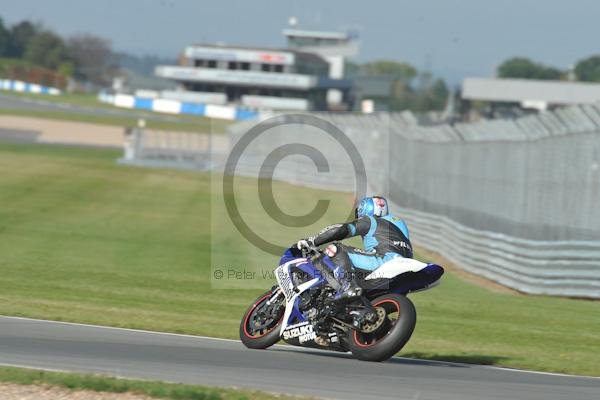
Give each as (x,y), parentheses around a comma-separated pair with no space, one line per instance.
(349,290)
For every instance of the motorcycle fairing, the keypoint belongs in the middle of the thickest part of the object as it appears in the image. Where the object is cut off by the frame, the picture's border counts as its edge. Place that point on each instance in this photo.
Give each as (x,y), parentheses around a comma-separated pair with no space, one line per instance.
(399,275)
(292,314)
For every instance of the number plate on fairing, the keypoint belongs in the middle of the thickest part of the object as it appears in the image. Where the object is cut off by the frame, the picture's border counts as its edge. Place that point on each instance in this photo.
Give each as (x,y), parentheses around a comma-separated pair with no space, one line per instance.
(285,281)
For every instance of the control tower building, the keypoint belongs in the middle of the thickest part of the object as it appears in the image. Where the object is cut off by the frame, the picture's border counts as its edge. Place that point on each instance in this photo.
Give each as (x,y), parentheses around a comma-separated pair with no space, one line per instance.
(334,47)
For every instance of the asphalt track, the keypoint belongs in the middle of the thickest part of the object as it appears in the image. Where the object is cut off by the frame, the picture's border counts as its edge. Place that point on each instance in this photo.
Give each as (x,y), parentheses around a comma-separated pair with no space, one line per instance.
(283,369)
(24,103)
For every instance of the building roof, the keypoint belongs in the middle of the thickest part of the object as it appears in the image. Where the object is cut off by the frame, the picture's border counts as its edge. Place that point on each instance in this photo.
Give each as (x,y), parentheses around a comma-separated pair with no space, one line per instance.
(249,78)
(530,90)
(316,34)
(300,54)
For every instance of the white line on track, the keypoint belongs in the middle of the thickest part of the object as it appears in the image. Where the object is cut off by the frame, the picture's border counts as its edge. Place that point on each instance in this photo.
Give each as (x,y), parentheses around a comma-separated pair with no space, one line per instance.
(40,368)
(69,371)
(291,347)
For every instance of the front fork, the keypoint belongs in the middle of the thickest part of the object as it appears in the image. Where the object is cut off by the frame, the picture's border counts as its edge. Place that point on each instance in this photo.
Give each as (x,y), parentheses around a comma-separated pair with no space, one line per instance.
(275,296)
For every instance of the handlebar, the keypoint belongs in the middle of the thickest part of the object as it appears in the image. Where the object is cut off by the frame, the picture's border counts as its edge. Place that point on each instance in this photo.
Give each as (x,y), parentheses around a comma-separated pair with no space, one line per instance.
(312,250)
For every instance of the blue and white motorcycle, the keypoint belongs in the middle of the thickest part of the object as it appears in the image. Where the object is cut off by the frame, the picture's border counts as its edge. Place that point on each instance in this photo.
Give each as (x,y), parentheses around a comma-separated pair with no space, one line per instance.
(303,309)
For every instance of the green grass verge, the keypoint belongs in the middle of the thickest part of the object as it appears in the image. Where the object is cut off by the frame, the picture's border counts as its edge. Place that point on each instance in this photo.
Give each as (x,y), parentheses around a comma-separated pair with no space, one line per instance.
(77,99)
(100,383)
(83,239)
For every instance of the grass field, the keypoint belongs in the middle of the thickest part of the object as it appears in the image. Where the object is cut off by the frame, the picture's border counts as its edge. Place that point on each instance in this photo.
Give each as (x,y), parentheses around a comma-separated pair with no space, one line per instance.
(78,99)
(161,390)
(83,239)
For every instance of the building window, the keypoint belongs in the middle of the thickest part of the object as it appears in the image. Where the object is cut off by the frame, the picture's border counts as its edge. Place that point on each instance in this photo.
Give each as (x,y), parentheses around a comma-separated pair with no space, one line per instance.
(232,65)
(199,63)
(278,68)
(266,67)
(212,64)
(245,66)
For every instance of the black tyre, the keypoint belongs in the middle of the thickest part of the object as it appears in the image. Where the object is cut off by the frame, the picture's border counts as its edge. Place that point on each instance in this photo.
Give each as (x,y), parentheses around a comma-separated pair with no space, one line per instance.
(260,324)
(392,336)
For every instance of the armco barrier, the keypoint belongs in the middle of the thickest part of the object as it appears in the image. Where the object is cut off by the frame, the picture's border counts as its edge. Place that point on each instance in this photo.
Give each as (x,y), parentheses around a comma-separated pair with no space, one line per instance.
(167,149)
(179,107)
(26,87)
(564,268)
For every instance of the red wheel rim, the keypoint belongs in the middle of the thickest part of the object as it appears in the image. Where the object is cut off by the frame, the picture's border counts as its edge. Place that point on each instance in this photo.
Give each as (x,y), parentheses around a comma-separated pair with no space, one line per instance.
(357,340)
(249,313)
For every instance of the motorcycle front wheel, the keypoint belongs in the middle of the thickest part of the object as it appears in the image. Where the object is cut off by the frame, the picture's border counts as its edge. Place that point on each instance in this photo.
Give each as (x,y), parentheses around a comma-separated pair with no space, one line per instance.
(260,324)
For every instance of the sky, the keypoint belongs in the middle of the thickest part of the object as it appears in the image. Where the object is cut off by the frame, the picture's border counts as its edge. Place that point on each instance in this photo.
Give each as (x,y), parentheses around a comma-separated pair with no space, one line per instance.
(451,38)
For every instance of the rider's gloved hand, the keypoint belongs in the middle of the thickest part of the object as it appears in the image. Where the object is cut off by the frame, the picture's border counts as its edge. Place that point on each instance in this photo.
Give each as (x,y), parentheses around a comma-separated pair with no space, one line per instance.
(305,244)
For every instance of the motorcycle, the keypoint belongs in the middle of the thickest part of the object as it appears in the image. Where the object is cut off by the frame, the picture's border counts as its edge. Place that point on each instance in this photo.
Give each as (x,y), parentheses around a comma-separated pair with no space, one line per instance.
(302,309)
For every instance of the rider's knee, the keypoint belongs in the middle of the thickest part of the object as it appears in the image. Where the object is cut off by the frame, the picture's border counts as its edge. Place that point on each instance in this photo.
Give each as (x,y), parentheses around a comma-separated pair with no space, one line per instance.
(332,249)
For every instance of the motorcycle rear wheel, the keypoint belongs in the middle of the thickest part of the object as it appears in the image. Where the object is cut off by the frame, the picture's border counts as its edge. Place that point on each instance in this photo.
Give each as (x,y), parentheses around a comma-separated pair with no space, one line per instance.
(394,334)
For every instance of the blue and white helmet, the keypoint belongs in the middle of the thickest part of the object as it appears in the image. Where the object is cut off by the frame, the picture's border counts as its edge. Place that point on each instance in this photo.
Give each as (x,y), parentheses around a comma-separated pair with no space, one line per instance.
(375,206)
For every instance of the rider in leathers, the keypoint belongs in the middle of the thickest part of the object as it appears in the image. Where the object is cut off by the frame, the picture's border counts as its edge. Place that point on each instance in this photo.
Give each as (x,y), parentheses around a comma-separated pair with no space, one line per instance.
(385,236)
